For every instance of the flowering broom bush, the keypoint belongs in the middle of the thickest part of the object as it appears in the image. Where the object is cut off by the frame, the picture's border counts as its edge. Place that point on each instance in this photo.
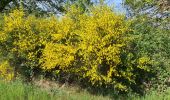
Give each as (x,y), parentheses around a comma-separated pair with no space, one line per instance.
(6,71)
(93,46)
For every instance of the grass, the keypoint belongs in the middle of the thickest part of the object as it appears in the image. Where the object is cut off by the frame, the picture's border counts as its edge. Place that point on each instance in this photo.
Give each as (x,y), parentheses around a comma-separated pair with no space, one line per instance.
(21,91)
(155,96)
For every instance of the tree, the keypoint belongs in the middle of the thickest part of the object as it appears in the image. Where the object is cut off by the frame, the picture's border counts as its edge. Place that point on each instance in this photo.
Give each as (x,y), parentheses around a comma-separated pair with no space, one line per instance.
(151,7)
(150,25)
(55,6)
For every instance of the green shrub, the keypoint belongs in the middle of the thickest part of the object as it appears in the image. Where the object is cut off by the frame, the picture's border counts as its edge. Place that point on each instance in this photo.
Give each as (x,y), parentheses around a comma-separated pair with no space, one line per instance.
(152,39)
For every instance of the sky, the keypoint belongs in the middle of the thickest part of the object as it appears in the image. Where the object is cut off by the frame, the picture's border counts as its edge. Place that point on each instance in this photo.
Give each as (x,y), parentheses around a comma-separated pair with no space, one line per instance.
(117,5)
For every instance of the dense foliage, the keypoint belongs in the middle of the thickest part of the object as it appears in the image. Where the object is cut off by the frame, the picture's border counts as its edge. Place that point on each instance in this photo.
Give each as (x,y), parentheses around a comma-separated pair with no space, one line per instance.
(98,48)
(152,39)
(42,6)
(159,8)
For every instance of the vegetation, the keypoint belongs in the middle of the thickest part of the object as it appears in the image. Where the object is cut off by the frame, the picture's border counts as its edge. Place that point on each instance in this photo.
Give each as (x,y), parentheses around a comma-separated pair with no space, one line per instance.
(42,6)
(92,47)
(19,91)
(97,49)
(159,8)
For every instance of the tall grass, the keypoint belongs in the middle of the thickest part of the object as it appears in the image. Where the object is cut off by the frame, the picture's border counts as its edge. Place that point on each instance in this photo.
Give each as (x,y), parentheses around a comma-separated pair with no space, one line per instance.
(155,96)
(19,91)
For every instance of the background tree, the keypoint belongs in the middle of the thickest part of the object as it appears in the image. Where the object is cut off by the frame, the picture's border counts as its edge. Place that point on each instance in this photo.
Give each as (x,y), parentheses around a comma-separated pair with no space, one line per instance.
(151,27)
(55,6)
(151,7)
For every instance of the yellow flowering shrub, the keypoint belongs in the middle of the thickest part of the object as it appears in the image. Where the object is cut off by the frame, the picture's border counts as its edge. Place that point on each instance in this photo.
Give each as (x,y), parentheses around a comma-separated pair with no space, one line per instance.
(6,71)
(92,45)
(22,38)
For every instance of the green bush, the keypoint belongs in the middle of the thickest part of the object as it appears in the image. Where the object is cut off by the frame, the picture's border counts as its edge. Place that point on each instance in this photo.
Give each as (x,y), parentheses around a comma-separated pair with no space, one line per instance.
(152,39)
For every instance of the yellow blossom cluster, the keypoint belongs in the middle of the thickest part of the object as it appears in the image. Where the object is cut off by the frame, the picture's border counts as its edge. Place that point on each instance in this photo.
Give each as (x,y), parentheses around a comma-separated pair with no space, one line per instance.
(89,44)
(6,71)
